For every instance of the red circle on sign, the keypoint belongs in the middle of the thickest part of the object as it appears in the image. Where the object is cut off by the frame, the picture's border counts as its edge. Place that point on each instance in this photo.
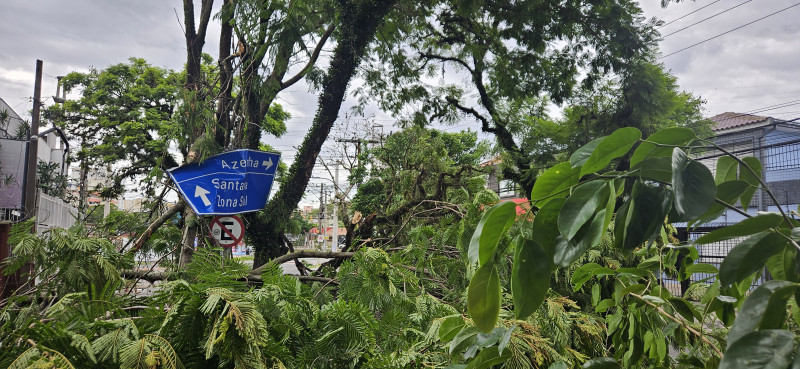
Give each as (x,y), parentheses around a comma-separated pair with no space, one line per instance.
(227,231)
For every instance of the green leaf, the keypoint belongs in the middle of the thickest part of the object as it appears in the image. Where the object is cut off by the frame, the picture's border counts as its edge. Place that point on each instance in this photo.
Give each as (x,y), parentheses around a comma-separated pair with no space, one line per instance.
(601,363)
(545,226)
(604,305)
(488,357)
(587,237)
(701,268)
(579,157)
(506,338)
(483,297)
(644,214)
(450,328)
(727,192)
(758,223)
(726,169)
(765,308)
(615,145)
(463,339)
(783,265)
(692,184)
(677,136)
(655,169)
(554,182)
(747,176)
(685,308)
(558,365)
(769,349)
(749,256)
(586,272)
(493,225)
(581,206)
(489,339)
(530,277)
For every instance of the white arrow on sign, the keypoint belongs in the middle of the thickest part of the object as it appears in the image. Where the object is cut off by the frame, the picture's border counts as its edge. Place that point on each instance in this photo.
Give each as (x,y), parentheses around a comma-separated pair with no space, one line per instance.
(202,192)
(267,163)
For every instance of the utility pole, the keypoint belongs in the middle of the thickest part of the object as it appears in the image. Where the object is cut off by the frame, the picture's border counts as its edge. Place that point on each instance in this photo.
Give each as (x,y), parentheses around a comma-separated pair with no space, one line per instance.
(33,149)
(335,240)
(321,209)
(21,278)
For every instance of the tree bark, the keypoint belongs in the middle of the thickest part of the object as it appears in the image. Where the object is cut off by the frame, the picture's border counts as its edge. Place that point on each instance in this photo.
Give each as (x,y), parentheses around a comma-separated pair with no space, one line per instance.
(358,24)
(189,235)
(223,128)
(304,254)
(195,39)
(158,223)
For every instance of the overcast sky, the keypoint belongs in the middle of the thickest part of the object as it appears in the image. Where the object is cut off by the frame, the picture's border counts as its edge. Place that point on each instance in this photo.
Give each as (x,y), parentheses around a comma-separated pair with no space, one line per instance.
(747,70)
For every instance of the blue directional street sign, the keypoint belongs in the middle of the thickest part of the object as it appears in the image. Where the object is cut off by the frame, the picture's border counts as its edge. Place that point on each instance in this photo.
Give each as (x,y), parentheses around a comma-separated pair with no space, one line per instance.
(230,183)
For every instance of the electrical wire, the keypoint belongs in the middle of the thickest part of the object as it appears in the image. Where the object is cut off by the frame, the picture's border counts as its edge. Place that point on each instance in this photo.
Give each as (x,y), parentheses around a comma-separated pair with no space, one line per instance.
(705,19)
(688,14)
(729,31)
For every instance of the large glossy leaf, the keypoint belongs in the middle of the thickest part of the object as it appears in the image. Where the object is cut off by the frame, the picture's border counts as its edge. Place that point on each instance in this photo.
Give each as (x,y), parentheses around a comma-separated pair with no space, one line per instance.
(783,265)
(685,309)
(545,226)
(450,327)
(769,349)
(493,225)
(765,308)
(727,168)
(488,357)
(749,256)
(645,213)
(501,346)
(727,192)
(615,145)
(579,157)
(758,223)
(587,237)
(747,176)
(483,340)
(554,183)
(692,184)
(530,277)
(581,206)
(463,339)
(483,297)
(678,136)
(655,169)
(601,363)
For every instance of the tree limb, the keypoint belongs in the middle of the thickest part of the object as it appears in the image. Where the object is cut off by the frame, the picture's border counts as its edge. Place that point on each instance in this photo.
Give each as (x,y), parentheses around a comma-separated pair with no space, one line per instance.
(312,60)
(303,254)
(156,224)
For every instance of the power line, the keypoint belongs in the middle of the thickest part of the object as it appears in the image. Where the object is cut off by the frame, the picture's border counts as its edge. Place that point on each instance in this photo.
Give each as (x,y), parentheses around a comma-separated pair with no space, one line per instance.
(688,14)
(764,109)
(705,19)
(727,32)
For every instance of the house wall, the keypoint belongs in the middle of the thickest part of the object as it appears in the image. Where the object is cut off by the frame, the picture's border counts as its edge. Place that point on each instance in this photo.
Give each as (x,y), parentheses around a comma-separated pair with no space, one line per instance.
(778,148)
(12,170)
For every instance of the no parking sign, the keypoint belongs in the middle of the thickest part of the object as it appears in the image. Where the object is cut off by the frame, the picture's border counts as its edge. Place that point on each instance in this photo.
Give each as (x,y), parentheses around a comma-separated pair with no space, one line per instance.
(227,230)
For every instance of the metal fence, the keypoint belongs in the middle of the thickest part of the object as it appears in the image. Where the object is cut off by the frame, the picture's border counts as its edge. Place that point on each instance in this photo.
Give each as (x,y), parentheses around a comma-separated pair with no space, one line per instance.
(777,146)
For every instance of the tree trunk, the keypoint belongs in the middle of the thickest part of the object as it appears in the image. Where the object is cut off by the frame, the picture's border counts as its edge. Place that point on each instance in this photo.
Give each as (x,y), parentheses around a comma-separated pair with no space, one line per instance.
(358,24)
(189,235)
(222,131)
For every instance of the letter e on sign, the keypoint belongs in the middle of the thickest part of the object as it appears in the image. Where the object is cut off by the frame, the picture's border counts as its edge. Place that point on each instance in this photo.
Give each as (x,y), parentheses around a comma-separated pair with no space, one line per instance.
(227,230)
